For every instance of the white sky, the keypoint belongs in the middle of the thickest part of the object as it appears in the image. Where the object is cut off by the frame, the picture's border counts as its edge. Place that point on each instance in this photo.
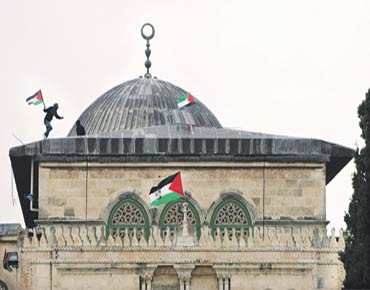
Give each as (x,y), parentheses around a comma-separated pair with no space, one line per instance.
(296,68)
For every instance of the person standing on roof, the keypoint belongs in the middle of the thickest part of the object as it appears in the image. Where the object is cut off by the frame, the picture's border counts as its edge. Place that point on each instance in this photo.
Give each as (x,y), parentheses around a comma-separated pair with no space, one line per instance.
(80,130)
(50,113)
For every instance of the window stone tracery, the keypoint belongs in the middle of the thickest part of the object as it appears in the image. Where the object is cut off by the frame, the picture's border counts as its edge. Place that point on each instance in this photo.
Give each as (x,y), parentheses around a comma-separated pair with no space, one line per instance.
(128,214)
(172,217)
(231,214)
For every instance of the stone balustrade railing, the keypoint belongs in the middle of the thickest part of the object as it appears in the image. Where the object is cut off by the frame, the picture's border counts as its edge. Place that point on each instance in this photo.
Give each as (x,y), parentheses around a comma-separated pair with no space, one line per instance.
(267,237)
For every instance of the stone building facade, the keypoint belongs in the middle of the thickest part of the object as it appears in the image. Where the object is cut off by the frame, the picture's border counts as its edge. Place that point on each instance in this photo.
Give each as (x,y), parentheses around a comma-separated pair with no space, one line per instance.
(8,242)
(256,210)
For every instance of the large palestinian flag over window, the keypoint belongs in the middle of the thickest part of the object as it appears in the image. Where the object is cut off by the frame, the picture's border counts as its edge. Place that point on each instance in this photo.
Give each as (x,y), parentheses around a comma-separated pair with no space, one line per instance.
(35,99)
(167,190)
(186,100)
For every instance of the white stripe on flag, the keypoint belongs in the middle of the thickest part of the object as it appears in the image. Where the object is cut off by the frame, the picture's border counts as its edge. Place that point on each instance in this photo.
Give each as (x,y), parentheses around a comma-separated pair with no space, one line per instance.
(161,192)
(183,103)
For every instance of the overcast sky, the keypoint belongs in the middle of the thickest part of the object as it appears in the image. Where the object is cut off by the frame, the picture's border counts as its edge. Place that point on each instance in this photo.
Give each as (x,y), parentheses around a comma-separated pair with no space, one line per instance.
(297,68)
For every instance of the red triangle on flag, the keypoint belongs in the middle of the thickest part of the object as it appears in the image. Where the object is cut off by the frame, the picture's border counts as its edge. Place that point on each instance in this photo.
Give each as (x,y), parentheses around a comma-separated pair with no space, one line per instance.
(39,95)
(191,99)
(176,184)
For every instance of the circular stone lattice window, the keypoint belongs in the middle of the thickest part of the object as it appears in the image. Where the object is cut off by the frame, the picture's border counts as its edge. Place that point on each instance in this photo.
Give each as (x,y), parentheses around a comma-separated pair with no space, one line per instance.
(231,214)
(128,215)
(3,286)
(173,216)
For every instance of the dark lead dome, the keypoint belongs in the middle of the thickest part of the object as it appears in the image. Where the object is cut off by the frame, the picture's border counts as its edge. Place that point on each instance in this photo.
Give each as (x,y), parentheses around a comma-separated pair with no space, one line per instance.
(142,103)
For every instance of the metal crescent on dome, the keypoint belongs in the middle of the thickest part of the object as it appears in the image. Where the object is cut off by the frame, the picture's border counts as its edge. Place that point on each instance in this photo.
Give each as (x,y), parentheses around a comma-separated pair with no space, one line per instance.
(147,37)
(148,52)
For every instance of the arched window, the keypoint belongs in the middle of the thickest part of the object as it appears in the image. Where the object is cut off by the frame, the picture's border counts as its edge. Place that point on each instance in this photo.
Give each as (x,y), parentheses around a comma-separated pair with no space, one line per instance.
(128,214)
(3,285)
(230,214)
(172,217)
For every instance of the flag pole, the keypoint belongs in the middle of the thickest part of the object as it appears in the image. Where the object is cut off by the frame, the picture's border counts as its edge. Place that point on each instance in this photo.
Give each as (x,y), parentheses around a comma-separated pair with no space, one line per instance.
(42,97)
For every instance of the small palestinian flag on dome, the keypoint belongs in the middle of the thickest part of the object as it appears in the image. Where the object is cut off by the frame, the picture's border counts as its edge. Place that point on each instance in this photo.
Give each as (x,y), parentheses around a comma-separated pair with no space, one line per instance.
(35,99)
(167,190)
(186,100)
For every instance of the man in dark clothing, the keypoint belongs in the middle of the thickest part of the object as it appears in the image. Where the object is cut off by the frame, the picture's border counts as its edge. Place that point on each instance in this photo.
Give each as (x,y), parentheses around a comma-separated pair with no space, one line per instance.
(80,130)
(50,113)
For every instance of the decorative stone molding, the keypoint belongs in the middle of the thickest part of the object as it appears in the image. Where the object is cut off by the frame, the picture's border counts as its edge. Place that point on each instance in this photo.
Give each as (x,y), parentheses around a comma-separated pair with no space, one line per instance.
(188,198)
(333,241)
(184,239)
(91,234)
(77,236)
(126,239)
(146,276)
(184,274)
(100,236)
(224,276)
(75,233)
(110,239)
(239,263)
(341,242)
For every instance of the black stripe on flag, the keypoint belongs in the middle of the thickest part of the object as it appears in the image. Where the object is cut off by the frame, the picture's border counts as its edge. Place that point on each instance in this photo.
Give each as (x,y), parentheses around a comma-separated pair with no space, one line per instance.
(33,96)
(164,182)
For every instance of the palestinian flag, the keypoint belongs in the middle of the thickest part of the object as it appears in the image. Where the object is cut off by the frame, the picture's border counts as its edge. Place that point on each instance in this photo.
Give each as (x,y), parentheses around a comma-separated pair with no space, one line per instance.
(35,99)
(185,100)
(167,190)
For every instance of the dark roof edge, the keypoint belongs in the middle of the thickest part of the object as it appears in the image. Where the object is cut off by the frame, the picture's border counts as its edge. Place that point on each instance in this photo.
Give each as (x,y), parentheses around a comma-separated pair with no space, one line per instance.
(178,158)
(184,146)
(187,149)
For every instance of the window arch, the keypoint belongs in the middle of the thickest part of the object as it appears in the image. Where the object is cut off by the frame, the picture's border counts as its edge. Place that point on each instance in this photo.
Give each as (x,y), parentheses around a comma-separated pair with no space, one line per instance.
(128,214)
(3,285)
(172,217)
(229,214)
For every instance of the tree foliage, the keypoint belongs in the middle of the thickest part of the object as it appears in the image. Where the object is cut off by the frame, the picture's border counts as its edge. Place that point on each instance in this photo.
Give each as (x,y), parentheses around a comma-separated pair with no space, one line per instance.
(356,257)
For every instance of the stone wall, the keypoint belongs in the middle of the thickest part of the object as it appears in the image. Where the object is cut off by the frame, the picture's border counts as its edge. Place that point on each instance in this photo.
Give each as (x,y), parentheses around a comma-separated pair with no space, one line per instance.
(283,191)
(8,242)
(287,249)
(81,258)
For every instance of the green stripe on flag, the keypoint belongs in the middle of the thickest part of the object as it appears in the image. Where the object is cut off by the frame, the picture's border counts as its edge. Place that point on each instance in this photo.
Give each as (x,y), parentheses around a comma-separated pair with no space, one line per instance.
(166,198)
(183,98)
(38,102)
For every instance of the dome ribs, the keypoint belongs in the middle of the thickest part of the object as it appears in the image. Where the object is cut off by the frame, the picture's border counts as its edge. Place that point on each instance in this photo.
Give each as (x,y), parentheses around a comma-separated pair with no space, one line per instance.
(142,103)
(147,93)
(112,115)
(101,110)
(171,96)
(129,103)
(99,114)
(119,104)
(156,91)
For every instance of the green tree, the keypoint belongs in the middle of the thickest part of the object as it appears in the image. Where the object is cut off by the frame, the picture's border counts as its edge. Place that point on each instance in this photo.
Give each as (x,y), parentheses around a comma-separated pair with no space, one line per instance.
(356,257)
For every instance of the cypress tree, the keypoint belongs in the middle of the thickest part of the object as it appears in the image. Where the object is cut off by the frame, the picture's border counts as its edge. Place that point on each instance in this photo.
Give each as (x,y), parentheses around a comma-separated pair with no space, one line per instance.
(356,257)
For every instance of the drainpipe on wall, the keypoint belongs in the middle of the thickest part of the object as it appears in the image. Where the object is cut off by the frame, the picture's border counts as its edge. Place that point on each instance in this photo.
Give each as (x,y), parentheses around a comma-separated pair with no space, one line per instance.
(32,209)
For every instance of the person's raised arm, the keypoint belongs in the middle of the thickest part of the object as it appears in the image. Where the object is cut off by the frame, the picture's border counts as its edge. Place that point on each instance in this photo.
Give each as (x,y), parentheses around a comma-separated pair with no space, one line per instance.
(58,117)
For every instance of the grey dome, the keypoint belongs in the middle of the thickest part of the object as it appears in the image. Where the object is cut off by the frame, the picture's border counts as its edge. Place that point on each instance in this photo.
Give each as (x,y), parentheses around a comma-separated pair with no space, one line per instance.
(142,103)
